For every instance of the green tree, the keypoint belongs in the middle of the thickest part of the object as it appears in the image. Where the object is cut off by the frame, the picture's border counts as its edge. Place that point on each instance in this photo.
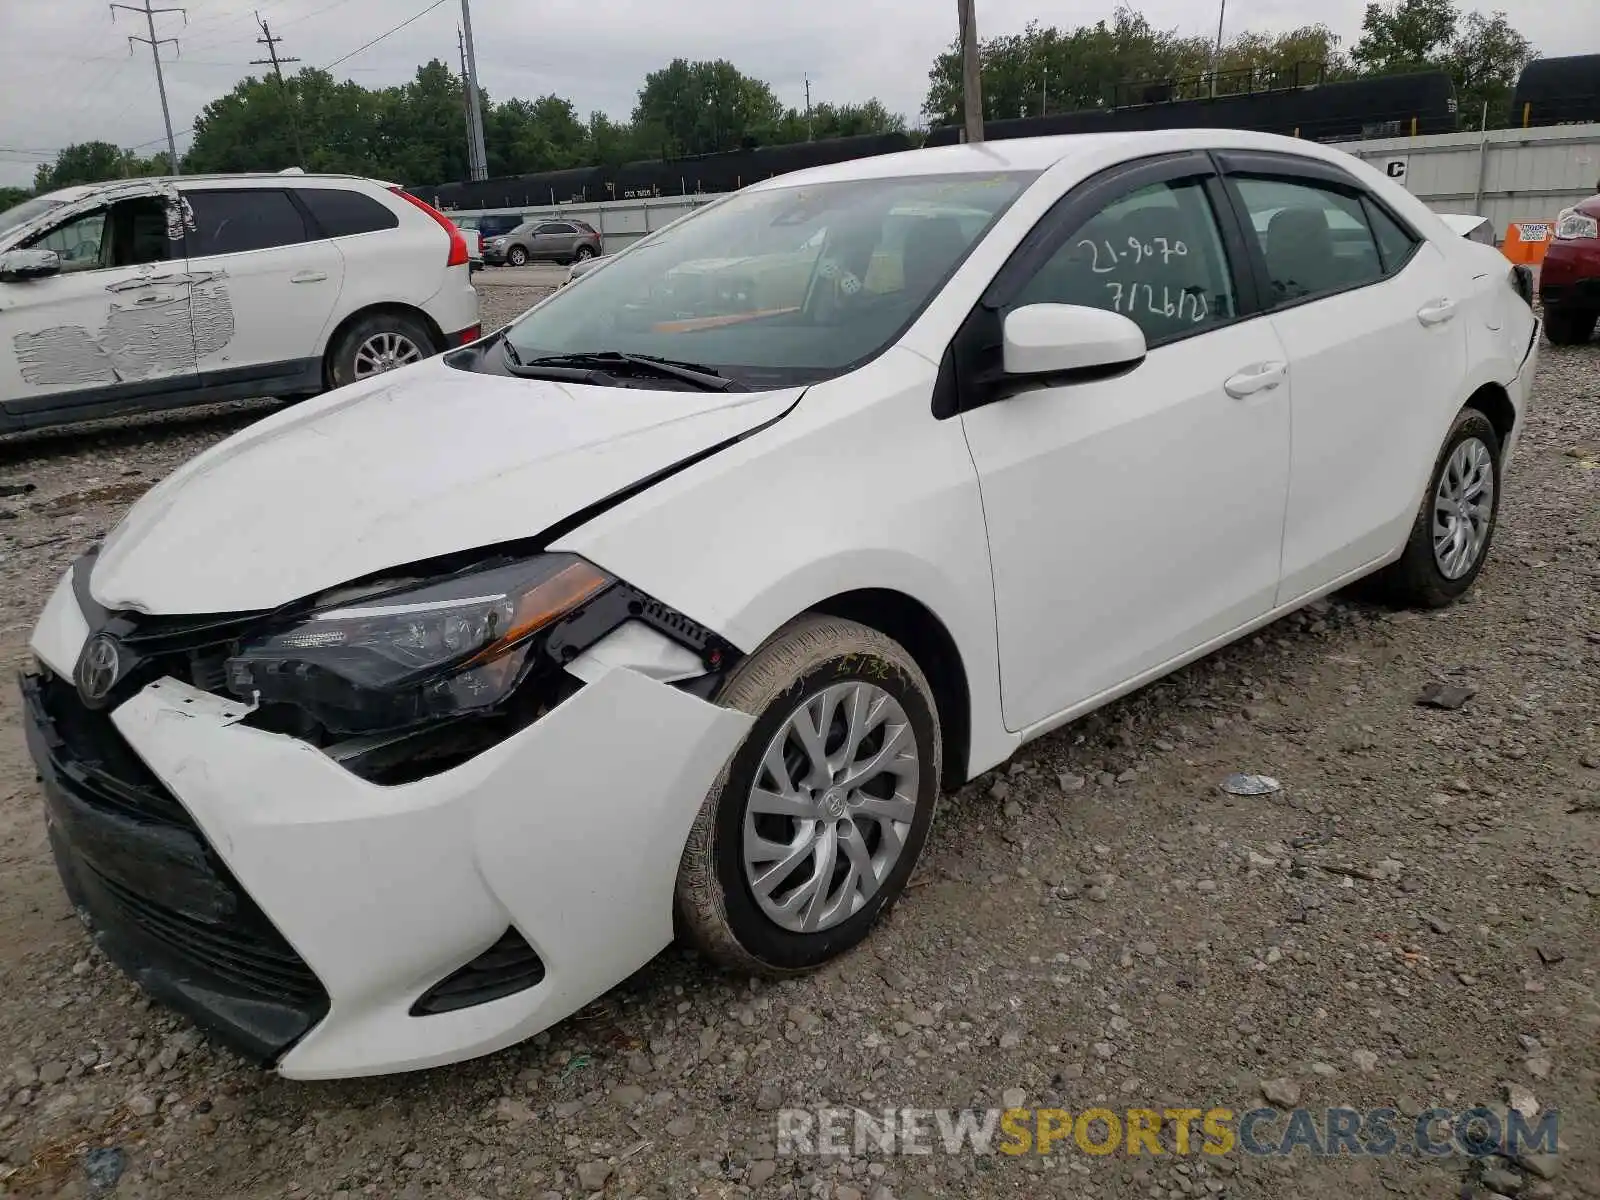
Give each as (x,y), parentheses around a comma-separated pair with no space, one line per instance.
(10,197)
(1046,69)
(611,143)
(702,107)
(96,162)
(1483,54)
(1485,59)
(1406,35)
(535,135)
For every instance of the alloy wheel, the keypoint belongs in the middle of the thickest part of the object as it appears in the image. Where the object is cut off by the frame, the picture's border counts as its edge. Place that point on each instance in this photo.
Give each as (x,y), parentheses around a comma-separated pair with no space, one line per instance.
(385,352)
(1463,508)
(831,806)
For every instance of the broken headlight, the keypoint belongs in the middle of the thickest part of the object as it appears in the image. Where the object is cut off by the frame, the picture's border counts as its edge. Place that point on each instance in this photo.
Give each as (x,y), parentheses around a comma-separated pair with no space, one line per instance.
(405,655)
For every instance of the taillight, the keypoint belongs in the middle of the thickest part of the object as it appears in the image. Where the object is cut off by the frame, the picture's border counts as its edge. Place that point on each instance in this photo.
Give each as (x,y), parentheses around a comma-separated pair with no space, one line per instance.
(458,242)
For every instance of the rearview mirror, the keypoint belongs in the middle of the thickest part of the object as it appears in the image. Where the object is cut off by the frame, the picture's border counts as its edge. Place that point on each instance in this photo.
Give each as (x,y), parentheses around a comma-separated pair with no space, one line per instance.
(19,265)
(1058,339)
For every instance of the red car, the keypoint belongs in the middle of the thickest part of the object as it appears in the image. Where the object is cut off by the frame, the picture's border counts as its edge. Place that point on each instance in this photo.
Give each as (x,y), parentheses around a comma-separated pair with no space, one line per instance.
(1569,281)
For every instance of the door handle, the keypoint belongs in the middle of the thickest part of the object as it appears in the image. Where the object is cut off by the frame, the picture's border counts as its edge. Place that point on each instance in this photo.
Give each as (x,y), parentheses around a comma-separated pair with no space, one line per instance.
(308,277)
(1262,377)
(1437,312)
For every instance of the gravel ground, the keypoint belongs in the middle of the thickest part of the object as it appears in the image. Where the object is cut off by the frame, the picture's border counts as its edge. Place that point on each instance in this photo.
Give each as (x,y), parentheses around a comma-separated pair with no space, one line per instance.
(1411,921)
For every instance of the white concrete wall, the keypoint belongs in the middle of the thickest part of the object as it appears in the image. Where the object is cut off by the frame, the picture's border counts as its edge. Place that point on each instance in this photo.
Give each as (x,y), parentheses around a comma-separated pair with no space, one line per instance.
(1508,175)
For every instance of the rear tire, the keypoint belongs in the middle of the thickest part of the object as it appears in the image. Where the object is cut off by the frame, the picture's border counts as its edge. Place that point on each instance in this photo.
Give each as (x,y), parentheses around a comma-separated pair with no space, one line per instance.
(361,351)
(582,253)
(851,813)
(1468,466)
(1569,326)
(517,256)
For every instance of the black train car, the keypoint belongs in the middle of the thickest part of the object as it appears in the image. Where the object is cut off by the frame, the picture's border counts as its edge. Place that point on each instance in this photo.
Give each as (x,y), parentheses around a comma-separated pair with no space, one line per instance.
(1558,91)
(733,169)
(1388,106)
(519,191)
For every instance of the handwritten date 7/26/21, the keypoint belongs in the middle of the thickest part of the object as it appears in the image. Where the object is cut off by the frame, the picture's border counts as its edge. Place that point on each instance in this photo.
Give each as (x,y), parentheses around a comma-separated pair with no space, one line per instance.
(1189,304)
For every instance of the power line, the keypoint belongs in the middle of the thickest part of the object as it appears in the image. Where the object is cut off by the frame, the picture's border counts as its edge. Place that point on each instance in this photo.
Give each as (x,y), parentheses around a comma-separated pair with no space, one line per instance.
(155,44)
(271,43)
(384,34)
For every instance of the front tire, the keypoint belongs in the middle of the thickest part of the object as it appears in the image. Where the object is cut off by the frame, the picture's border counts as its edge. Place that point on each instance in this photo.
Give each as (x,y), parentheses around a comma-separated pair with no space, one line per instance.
(517,257)
(1569,326)
(1450,539)
(810,832)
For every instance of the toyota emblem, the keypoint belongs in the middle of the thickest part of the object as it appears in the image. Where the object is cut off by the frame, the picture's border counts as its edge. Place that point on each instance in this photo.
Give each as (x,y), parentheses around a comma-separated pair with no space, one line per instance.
(98,668)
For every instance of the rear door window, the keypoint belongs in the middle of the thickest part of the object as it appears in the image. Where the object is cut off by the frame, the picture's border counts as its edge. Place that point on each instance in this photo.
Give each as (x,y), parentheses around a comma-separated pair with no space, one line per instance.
(235,221)
(1314,237)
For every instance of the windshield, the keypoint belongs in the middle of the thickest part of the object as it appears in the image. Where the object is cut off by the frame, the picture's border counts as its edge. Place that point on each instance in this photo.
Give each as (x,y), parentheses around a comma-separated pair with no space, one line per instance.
(22,213)
(778,286)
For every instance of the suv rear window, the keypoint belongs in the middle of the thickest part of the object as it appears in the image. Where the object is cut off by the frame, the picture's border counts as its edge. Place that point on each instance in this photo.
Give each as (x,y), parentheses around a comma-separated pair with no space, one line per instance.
(342,213)
(231,222)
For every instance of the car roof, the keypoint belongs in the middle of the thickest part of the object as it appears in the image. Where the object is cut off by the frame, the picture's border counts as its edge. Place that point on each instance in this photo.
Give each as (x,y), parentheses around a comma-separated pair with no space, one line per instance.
(69,195)
(1042,153)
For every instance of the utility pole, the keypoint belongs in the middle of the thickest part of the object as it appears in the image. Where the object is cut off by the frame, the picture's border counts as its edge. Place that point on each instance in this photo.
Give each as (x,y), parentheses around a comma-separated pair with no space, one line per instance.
(971,82)
(1044,93)
(808,107)
(1216,55)
(466,107)
(271,43)
(155,51)
(481,170)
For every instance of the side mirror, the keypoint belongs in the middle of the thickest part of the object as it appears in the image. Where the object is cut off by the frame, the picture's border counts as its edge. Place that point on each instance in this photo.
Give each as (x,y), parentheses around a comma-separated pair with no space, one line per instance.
(19,265)
(1057,339)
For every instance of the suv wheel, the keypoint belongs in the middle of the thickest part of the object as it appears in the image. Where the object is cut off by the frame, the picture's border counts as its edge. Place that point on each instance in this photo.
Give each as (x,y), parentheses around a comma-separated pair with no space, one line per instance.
(517,256)
(1569,326)
(376,344)
(582,253)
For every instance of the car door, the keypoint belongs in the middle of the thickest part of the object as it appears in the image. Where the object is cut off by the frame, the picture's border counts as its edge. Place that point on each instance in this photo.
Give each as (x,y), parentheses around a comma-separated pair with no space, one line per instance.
(1136,518)
(266,284)
(113,324)
(555,240)
(1366,309)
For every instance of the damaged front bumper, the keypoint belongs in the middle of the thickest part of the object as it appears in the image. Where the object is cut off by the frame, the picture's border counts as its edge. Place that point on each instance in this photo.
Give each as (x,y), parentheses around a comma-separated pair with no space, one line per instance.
(314,919)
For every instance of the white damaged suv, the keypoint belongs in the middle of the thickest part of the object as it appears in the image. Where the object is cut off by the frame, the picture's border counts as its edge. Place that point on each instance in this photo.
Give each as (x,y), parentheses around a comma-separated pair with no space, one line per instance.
(149,294)
(405,722)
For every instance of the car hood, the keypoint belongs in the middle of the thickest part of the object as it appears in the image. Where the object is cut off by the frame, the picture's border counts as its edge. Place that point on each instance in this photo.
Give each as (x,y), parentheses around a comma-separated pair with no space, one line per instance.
(424,461)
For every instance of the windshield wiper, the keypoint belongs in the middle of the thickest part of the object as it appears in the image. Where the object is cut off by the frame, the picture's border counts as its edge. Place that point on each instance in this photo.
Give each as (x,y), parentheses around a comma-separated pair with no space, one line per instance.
(586,364)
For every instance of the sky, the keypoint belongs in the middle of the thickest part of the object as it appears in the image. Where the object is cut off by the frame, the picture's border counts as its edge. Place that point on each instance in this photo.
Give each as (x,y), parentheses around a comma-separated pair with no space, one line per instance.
(66,74)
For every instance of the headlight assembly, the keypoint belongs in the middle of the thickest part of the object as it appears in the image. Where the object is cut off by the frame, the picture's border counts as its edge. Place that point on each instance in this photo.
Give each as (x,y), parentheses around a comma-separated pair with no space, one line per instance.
(417,652)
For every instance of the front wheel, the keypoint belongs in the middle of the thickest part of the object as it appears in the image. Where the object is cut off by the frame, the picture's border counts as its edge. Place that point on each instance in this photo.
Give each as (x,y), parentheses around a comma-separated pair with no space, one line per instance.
(1569,326)
(810,832)
(517,257)
(1450,539)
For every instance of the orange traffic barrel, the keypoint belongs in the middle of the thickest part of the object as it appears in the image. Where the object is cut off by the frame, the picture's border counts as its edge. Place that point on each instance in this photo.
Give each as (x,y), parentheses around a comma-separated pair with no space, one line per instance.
(1527,241)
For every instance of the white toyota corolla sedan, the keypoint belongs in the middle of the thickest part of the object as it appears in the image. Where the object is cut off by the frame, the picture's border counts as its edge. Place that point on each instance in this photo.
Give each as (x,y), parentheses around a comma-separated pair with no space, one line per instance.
(403,723)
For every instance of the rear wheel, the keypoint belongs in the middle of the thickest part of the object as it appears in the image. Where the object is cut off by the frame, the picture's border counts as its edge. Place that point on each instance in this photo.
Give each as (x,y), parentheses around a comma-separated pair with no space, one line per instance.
(812,829)
(1569,326)
(582,253)
(1450,539)
(376,344)
(517,256)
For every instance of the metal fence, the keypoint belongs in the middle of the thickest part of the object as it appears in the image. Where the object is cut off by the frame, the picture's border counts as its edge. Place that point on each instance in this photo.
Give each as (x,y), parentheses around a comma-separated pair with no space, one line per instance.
(1506,175)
